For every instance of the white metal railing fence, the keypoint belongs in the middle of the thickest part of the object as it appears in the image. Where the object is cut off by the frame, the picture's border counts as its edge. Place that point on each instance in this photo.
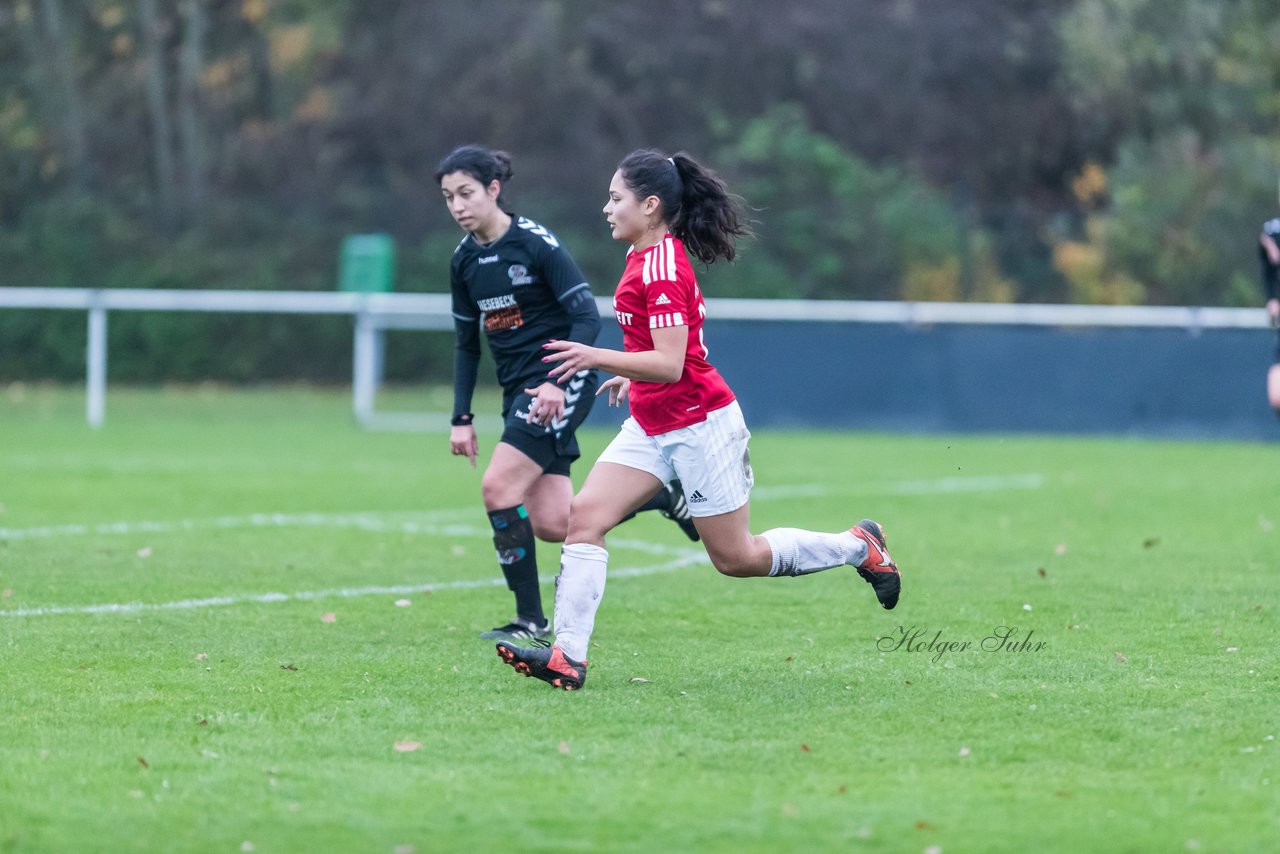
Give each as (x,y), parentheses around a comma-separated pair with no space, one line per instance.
(375,313)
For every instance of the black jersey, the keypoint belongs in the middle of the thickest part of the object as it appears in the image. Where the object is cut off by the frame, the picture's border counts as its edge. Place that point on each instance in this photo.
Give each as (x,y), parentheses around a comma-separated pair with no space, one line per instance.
(523,290)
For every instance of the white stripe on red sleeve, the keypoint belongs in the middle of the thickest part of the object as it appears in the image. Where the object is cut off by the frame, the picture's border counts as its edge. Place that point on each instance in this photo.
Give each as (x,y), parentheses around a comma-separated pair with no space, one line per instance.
(658,321)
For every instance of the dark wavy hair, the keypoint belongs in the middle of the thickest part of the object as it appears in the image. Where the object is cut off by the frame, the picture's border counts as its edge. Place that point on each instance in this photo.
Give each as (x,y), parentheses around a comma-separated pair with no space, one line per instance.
(483,164)
(696,203)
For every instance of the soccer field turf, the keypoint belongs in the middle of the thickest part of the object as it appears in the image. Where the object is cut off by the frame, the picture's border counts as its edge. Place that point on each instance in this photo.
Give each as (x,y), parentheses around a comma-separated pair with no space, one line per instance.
(232,621)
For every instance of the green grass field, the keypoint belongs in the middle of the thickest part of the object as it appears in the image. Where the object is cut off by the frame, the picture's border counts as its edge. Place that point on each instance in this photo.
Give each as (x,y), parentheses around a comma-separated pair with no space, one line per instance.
(292,662)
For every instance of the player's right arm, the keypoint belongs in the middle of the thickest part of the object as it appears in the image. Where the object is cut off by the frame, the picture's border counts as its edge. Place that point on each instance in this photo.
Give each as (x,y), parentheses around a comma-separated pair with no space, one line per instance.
(1269,246)
(466,366)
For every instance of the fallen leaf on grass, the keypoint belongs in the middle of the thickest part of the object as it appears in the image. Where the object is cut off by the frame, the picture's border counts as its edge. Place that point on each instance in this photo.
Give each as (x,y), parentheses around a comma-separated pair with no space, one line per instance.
(1150,542)
(805,748)
(201,656)
(1233,649)
(1041,572)
(406,746)
(328,617)
(143,762)
(145,551)
(1062,794)
(7,593)
(933,849)
(403,603)
(247,846)
(923,825)
(964,751)
(1121,657)
(564,747)
(842,789)
(1060,550)
(640,680)
(288,665)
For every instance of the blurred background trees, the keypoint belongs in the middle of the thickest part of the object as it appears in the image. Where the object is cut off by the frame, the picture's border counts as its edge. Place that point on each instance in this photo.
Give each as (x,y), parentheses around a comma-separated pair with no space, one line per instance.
(1118,151)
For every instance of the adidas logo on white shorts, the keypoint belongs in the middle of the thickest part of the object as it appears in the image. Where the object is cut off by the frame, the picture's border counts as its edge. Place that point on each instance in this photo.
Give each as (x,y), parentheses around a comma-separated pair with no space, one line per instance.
(696,497)
(662,299)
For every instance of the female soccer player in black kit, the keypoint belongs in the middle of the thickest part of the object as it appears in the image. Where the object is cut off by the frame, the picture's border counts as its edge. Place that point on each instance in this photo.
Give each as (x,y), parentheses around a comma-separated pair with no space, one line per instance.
(511,277)
(1269,251)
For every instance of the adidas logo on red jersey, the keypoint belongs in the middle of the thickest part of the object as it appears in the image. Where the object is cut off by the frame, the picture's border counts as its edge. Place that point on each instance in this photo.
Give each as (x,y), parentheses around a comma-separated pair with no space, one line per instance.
(662,299)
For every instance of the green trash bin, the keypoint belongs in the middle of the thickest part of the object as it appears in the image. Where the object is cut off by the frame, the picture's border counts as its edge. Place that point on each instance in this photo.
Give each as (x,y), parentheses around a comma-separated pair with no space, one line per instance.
(368,263)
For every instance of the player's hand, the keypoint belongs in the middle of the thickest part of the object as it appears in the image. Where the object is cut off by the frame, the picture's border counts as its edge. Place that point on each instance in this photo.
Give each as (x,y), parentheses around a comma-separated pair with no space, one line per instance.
(619,388)
(462,442)
(1273,311)
(547,405)
(572,357)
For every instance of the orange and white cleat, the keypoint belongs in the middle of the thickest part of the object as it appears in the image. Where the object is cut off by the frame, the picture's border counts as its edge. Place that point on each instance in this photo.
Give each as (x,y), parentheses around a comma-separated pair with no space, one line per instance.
(877,567)
(550,665)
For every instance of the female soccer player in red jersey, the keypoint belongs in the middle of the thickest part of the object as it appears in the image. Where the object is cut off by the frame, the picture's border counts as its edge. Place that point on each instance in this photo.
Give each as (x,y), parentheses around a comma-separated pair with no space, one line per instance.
(513,280)
(685,421)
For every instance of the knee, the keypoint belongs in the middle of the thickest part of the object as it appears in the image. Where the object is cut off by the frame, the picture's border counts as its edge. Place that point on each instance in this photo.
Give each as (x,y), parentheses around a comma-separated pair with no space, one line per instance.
(498,495)
(586,523)
(550,527)
(734,566)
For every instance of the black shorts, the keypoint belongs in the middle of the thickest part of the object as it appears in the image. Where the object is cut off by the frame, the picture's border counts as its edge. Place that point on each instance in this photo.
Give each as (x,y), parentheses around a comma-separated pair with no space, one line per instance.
(555,446)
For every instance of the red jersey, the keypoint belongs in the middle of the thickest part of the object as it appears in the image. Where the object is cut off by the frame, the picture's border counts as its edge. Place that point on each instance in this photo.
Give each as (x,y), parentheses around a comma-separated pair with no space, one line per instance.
(658,289)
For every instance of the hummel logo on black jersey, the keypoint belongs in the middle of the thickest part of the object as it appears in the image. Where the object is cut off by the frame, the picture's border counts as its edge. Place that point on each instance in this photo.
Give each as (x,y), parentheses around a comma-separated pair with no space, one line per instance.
(662,299)
(696,497)
(487,259)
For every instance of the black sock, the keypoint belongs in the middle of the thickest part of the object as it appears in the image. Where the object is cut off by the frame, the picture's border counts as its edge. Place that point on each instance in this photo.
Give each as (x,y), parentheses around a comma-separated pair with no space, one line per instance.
(517,555)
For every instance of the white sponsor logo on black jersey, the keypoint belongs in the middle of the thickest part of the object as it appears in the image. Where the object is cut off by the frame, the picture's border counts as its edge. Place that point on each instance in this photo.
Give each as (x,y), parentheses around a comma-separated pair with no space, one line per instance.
(519,275)
(487,259)
(495,303)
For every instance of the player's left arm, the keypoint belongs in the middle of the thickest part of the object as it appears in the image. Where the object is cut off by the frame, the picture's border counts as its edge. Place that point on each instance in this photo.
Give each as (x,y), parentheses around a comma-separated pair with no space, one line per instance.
(571,290)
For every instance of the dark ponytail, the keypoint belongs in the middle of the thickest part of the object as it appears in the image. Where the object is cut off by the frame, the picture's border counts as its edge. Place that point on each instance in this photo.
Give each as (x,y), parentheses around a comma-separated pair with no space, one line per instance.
(483,164)
(696,203)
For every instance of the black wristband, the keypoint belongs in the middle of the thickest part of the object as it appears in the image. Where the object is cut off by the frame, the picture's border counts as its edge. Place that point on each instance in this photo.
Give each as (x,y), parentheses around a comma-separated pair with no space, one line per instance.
(463,420)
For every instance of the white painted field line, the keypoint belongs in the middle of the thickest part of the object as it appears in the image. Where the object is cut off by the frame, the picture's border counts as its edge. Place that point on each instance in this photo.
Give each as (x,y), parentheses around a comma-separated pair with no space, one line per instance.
(687,558)
(438,522)
(403,522)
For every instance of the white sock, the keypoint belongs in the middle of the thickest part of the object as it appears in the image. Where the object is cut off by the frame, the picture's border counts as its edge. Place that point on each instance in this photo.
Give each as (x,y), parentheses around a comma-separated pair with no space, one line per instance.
(579,587)
(800,552)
